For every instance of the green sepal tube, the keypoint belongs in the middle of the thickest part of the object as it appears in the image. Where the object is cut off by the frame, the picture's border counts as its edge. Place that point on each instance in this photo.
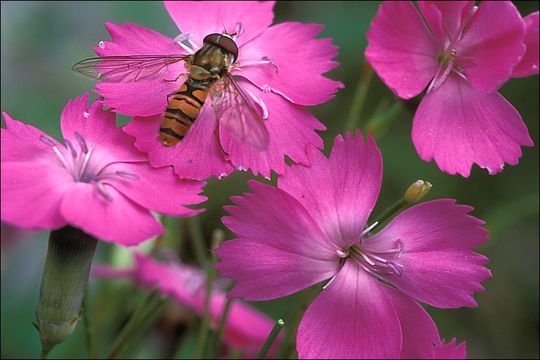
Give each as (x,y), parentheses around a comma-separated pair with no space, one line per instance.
(67,267)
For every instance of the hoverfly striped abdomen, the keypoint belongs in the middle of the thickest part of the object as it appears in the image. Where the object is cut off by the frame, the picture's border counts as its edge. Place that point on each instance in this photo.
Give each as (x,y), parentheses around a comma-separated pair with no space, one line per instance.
(184,107)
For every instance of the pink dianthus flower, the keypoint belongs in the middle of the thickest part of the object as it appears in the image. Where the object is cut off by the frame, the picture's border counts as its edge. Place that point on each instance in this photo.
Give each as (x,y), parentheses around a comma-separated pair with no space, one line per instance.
(462,54)
(95,181)
(280,65)
(312,228)
(246,328)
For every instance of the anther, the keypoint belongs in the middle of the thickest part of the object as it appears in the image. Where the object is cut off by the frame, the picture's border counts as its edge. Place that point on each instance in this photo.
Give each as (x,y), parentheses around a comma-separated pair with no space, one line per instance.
(82,142)
(47,140)
(127,175)
(70,147)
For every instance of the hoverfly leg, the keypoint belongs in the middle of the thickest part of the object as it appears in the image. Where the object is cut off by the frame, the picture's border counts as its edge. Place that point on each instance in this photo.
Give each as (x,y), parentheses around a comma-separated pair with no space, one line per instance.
(176,79)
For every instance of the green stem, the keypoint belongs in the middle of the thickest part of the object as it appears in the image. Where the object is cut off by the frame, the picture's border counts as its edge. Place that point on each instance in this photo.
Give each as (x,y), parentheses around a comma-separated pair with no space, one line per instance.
(359,98)
(205,323)
(398,205)
(197,241)
(293,319)
(87,327)
(132,325)
(223,322)
(271,338)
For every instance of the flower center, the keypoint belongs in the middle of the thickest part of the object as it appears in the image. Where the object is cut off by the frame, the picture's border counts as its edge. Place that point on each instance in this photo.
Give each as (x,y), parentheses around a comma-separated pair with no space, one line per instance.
(375,260)
(78,162)
(378,262)
(451,60)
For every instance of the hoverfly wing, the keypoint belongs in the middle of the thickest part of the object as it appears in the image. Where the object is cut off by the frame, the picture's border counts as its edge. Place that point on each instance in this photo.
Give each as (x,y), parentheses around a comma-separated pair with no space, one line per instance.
(126,68)
(239,113)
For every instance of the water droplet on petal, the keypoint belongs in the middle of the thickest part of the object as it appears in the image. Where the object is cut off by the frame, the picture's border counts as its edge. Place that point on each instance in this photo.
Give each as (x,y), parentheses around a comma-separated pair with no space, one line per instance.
(86,114)
(101,44)
(266,88)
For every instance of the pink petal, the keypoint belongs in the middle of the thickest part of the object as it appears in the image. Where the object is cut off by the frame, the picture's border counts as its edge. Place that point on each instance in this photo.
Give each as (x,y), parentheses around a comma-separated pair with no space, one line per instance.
(439,266)
(351,319)
(142,98)
(32,192)
(97,127)
(197,156)
(340,191)
(160,190)
(445,18)
(529,62)
(132,39)
(281,43)
(401,49)
(278,252)
(419,332)
(291,129)
(20,142)
(246,328)
(120,220)
(450,350)
(186,284)
(493,42)
(459,126)
(207,17)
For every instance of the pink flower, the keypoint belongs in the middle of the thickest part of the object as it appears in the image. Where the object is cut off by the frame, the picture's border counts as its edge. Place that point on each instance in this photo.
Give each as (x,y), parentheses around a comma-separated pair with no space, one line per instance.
(463,56)
(246,328)
(312,228)
(95,181)
(280,65)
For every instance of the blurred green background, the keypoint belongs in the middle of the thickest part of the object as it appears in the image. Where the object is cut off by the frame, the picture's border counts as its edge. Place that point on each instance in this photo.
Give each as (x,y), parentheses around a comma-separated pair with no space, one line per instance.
(40,41)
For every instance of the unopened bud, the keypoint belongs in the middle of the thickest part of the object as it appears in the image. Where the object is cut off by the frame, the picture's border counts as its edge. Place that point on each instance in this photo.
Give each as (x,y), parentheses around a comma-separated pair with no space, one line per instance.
(63,284)
(417,191)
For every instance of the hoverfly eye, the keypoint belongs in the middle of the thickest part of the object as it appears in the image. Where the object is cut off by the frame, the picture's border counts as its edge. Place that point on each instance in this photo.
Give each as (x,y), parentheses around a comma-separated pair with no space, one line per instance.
(223,41)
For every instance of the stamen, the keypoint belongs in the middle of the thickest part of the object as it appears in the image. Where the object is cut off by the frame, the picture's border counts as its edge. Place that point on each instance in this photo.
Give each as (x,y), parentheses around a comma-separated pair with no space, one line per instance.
(329,282)
(127,175)
(70,147)
(47,140)
(265,60)
(368,260)
(441,75)
(82,142)
(183,37)
(369,228)
(189,50)
(84,164)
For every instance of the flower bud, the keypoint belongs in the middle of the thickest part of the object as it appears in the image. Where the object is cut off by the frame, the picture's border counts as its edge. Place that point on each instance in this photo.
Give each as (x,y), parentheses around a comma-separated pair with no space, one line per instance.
(417,191)
(63,284)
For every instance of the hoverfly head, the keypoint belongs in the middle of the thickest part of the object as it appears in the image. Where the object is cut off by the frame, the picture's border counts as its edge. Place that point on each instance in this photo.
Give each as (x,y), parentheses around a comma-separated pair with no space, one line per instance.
(224,41)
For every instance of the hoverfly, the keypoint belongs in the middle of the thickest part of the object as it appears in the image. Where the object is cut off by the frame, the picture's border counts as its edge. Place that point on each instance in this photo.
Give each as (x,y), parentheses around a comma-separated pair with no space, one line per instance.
(237,111)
